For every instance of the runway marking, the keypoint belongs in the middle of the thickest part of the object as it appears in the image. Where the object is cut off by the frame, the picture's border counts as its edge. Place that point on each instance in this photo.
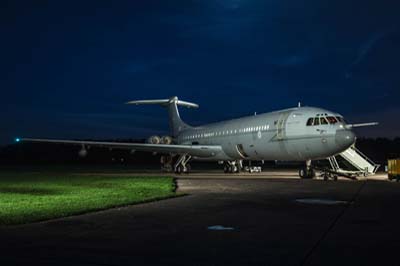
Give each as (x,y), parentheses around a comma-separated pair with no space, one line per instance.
(321,201)
(220,228)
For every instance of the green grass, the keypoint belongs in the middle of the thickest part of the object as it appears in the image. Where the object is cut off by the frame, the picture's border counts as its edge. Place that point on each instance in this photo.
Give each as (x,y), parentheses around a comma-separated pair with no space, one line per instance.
(31,197)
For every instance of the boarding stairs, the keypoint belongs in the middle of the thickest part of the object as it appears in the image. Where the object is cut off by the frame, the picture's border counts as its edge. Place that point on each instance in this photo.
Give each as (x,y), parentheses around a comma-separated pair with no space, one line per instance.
(363,166)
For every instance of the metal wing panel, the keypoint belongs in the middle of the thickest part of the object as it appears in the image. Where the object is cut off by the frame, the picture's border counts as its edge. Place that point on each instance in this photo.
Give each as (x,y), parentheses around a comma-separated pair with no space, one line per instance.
(194,150)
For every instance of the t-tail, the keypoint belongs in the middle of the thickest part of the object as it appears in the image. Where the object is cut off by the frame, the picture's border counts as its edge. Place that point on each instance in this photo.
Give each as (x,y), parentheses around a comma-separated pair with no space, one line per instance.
(175,122)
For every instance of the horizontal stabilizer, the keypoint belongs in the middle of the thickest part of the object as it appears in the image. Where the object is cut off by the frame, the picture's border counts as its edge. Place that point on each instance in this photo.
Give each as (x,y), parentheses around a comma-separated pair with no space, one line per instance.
(165,102)
(175,121)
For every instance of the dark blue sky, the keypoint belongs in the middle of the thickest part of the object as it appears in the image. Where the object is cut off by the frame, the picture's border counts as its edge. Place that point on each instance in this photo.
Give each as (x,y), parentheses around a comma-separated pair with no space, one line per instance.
(67,67)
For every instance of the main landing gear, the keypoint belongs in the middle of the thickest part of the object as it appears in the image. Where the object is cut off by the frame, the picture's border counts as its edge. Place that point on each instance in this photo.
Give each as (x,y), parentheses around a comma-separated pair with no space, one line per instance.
(167,164)
(181,165)
(233,166)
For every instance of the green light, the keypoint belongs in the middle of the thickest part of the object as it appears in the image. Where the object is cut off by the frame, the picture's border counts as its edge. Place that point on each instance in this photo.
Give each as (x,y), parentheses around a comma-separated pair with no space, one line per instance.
(17,140)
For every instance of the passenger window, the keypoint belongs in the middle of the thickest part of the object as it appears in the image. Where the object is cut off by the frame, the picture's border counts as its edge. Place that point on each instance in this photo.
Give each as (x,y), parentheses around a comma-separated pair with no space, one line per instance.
(323,121)
(316,121)
(310,121)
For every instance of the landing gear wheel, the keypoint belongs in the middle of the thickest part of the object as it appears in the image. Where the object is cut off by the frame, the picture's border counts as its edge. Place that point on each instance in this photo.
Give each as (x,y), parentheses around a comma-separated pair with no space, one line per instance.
(234,169)
(226,168)
(179,169)
(188,168)
(302,173)
(311,173)
(231,167)
(326,176)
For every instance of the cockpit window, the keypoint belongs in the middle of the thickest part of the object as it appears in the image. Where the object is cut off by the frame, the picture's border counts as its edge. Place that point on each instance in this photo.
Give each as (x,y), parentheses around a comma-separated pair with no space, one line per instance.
(323,121)
(340,119)
(331,120)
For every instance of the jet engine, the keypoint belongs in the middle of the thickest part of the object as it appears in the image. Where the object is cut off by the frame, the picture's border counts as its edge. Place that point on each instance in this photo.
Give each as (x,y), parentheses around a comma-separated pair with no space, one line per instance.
(166,140)
(154,140)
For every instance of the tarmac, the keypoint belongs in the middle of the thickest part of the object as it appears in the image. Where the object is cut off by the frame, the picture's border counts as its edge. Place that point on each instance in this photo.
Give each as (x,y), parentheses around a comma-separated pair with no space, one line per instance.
(271,218)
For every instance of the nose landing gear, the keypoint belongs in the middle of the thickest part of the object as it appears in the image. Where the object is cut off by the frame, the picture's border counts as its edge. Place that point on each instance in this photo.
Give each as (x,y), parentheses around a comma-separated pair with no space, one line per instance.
(307,171)
(310,172)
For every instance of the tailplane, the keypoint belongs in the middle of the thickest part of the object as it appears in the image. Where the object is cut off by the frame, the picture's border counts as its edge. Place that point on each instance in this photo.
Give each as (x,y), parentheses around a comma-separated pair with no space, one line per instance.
(175,122)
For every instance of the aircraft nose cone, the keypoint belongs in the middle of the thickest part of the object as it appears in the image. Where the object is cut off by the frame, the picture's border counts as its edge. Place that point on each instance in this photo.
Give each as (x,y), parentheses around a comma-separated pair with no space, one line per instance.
(345,138)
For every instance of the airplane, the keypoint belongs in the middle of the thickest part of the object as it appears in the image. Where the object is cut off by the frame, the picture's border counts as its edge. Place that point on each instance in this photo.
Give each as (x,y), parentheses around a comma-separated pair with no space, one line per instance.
(295,134)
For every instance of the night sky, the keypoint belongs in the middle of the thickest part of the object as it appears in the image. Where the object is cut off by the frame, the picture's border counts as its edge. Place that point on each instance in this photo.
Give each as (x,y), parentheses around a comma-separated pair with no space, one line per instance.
(67,67)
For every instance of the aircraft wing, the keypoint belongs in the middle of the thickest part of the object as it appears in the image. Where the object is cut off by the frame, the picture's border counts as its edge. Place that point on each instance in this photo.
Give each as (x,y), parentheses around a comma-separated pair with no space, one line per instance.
(193,150)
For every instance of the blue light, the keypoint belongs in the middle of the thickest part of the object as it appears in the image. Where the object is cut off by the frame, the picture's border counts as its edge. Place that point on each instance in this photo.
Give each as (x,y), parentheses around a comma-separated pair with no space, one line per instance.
(17,140)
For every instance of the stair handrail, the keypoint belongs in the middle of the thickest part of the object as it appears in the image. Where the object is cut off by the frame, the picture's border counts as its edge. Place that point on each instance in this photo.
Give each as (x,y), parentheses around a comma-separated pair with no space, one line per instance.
(375,166)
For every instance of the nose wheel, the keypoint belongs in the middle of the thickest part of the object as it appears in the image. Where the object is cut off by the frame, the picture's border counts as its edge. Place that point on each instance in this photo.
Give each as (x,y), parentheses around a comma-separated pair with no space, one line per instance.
(307,171)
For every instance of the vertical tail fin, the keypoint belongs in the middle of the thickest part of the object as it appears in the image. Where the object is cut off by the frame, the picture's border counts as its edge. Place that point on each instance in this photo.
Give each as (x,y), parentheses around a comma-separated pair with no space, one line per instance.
(175,122)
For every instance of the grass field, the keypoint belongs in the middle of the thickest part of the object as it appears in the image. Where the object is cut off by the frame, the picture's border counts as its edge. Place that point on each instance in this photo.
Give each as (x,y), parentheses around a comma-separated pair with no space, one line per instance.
(30,197)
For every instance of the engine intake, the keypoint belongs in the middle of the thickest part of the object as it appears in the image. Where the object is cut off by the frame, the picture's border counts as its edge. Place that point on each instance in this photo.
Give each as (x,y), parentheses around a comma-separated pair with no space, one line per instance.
(154,140)
(166,140)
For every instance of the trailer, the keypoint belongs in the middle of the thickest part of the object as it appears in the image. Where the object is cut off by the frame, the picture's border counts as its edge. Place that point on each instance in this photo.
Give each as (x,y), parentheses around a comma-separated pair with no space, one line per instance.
(394,169)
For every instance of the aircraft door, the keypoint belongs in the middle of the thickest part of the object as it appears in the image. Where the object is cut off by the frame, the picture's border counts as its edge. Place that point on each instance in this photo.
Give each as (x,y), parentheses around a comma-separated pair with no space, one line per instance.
(295,131)
(281,126)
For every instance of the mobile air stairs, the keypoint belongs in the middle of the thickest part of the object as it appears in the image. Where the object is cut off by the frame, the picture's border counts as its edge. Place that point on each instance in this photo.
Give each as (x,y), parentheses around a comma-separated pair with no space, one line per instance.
(360,165)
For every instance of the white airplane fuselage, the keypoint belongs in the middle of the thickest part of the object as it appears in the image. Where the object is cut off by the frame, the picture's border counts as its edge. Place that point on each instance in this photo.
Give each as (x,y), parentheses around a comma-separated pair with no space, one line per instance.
(280,135)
